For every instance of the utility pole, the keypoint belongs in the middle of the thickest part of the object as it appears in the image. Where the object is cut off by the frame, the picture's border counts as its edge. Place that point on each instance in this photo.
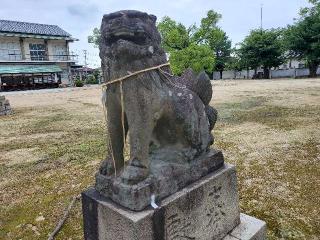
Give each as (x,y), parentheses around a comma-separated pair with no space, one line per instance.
(261,15)
(85,61)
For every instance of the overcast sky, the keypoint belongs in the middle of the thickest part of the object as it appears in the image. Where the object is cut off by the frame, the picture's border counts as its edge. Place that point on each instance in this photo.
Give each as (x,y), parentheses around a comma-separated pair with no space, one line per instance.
(79,17)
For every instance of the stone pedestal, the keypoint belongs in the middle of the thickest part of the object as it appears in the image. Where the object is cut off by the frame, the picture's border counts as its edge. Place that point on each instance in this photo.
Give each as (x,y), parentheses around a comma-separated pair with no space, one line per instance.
(5,108)
(205,210)
(249,228)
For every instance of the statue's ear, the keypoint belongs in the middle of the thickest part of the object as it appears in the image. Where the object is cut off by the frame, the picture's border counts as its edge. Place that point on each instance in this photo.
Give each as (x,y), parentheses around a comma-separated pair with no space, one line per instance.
(153,18)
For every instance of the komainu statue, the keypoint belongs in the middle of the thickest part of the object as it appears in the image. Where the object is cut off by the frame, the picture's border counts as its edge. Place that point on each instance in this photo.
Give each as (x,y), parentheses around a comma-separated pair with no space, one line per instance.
(167,119)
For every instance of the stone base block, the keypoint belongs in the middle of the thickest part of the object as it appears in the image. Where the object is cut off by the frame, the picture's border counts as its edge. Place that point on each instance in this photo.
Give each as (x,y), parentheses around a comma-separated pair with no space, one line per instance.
(166,178)
(5,108)
(208,209)
(249,228)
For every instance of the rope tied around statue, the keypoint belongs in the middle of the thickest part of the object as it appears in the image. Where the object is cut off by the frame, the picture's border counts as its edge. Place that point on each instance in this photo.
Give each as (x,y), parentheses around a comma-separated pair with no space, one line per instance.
(120,81)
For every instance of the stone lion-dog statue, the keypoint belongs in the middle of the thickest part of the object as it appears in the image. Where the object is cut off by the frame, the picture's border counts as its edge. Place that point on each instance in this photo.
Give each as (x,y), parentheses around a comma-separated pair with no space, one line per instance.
(168,119)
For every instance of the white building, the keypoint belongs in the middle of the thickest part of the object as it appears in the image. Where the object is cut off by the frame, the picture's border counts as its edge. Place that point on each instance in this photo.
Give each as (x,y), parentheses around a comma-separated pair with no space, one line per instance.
(34,55)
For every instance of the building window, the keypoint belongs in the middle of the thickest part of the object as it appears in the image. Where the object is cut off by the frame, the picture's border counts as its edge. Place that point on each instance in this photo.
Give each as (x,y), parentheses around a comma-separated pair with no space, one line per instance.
(60,53)
(37,52)
(10,51)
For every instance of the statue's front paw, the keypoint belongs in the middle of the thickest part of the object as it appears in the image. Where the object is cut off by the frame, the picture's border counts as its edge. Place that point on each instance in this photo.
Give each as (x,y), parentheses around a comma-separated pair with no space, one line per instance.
(134,173)
(106,167)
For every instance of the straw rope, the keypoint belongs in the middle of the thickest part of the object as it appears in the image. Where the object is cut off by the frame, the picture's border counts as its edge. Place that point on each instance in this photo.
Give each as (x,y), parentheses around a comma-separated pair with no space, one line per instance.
(134,74)
(122,121)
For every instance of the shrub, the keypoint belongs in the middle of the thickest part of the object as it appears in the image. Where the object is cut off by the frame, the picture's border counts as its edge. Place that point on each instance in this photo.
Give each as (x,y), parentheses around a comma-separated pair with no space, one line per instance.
(78,83)
(91,79)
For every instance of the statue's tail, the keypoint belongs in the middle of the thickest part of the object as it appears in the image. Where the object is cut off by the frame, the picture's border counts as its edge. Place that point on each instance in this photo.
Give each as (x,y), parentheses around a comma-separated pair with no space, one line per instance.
(203,88)
(212,114)
(201,85)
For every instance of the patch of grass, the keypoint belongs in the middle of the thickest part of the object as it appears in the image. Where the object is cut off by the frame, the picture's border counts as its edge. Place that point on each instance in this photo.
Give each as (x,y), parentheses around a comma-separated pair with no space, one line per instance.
(227,110)
(278,181)
(45,187)
(278,187)
(48,199)
(247,104)
(285,211)
(272,116)
(46,124)
(259,111)
(90,104)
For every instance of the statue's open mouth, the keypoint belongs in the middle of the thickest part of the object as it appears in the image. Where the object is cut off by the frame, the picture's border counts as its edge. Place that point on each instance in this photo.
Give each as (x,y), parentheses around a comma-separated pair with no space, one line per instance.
(137,36)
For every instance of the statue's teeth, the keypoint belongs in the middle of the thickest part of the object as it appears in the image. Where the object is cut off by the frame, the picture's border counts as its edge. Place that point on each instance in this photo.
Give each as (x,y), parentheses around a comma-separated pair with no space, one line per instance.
(117,34)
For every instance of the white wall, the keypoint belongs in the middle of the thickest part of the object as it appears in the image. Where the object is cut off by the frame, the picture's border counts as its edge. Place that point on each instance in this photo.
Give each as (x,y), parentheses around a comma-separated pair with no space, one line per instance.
(234,74)
(281,73)
(11,45)
(57,47)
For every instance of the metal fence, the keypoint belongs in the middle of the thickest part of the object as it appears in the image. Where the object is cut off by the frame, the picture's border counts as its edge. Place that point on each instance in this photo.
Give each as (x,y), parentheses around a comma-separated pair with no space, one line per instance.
(16,56)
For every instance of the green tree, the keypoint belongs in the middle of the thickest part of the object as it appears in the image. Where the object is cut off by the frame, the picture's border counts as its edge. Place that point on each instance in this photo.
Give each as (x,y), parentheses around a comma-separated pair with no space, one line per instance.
(235,61)
(177,37)
(95,37)
(218,41)
(262,48)
(197,57)
(221,45)
(184,49)
(303,38)
(174,36)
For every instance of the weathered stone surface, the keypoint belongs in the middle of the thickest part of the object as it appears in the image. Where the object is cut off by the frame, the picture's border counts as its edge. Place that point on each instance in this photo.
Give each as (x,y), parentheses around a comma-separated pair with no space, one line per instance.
(249,228)
(205,210)
(167,177)
(167,121)
(5,108)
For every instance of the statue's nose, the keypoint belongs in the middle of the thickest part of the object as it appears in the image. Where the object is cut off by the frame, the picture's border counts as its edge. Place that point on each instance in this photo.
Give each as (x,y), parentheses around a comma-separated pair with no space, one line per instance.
(139,27)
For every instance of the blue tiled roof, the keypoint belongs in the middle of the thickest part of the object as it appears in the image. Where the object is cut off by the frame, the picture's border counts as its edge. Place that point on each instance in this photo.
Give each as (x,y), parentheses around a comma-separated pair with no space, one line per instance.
(31,28)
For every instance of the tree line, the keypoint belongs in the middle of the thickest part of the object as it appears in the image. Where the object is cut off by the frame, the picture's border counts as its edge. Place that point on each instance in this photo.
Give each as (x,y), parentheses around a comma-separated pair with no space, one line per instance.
(207,47)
